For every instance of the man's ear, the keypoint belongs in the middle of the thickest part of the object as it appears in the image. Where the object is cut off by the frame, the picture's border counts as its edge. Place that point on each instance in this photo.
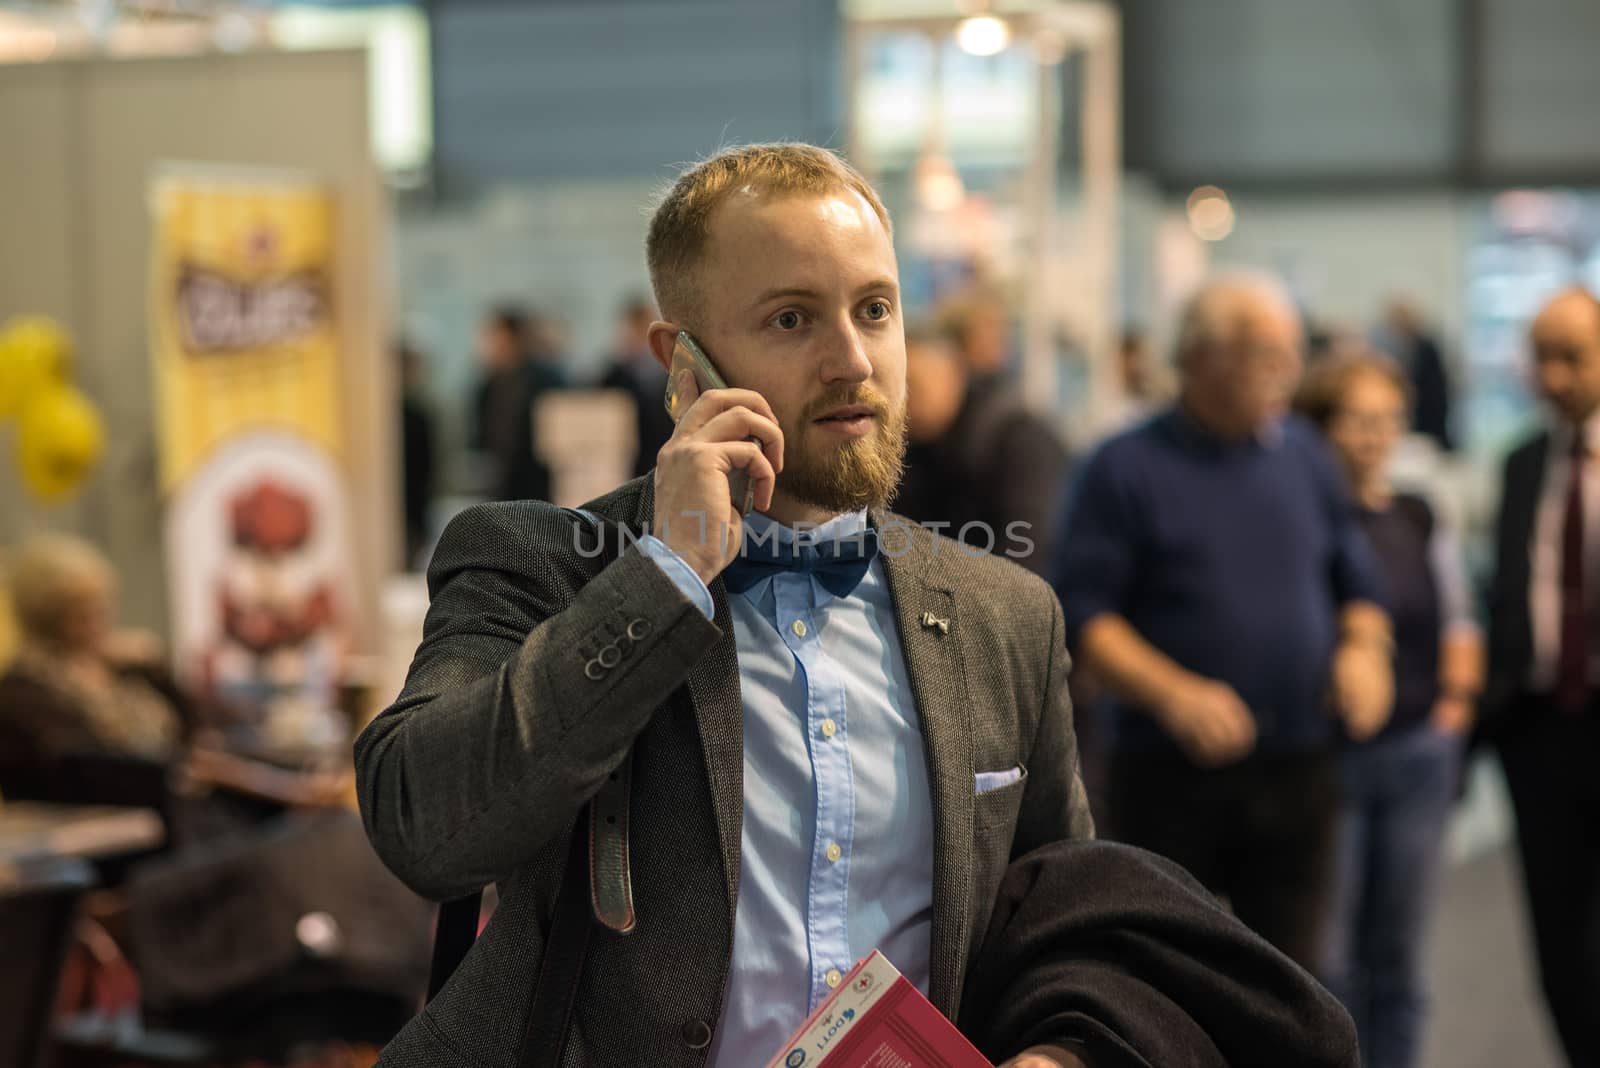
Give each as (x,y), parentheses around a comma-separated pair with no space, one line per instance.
(663,336)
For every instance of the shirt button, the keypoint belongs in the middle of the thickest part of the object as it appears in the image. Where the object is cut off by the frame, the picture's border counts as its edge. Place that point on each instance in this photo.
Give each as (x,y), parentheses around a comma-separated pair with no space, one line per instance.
(829,728)
(799,628)
(833,978)
(834,853)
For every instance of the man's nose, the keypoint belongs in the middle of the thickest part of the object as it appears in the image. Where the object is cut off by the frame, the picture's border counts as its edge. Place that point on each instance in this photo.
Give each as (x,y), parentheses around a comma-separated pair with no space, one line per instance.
(847,359)
(1553,379)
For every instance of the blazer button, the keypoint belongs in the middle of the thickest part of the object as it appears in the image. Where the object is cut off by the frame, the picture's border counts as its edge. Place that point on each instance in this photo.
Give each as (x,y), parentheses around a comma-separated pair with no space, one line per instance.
(697,1034)
(593,671)
(639,629)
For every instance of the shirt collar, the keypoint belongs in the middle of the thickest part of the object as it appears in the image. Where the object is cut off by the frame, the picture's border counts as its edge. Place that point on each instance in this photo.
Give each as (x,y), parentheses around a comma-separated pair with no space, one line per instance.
(840,526)
(1561,435)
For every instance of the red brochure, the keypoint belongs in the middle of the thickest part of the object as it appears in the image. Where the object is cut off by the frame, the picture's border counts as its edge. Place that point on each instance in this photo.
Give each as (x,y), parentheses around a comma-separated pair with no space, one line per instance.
(877,1019)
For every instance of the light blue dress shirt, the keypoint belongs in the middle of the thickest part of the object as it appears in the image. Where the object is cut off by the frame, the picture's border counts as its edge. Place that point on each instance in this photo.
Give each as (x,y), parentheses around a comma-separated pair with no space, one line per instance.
(836,853)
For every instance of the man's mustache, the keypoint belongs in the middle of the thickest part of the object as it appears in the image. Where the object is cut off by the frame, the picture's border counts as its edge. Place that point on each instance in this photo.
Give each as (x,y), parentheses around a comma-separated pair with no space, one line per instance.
(864,395)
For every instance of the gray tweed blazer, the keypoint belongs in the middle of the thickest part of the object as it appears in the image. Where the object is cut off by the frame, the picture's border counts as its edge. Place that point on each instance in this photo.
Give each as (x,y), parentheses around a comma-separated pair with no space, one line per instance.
(476,773)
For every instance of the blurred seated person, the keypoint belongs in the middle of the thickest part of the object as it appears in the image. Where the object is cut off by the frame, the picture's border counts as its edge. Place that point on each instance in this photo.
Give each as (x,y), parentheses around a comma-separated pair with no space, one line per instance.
(88,714)
(632,367)
(520,361)
(1398,785)
(977,459)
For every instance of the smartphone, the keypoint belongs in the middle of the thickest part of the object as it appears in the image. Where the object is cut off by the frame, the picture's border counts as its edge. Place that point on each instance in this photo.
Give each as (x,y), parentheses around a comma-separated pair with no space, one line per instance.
(688,355)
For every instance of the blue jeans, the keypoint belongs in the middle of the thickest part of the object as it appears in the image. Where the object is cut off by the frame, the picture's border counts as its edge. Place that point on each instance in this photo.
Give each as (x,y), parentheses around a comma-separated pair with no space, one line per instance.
(1396,805)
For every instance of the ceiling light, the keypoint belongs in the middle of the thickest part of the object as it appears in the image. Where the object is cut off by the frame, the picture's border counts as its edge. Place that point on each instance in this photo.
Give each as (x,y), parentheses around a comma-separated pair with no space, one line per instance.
(983,35)
(1210,213)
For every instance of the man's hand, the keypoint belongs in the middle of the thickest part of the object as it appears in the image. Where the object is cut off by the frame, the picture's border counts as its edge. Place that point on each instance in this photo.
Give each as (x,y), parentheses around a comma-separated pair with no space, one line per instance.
(1209,721)
(1363,686)
(1046,1057)
(695,516)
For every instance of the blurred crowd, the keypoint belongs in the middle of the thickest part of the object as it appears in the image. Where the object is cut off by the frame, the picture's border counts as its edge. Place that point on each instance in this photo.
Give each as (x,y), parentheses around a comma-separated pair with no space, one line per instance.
(1282,658)
(1281,653)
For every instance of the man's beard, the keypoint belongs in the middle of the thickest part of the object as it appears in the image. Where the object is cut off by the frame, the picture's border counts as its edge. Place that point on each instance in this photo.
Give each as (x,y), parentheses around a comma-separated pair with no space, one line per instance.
(858,473)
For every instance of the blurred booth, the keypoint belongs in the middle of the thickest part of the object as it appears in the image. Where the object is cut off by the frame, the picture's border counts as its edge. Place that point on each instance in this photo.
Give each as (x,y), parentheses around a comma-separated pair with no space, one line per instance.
(587,438)
(992,129)
(210,228)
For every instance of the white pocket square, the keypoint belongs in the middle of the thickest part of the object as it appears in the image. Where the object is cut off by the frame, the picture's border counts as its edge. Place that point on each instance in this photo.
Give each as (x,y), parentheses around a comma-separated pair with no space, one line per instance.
(994,780)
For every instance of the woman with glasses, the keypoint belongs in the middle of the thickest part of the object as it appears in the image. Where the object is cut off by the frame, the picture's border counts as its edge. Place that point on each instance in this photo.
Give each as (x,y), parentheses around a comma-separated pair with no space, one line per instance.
(1398,787)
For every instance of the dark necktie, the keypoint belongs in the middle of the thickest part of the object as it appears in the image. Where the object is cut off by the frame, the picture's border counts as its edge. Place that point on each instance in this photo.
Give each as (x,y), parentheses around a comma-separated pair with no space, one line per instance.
(838,563)
(1572,678)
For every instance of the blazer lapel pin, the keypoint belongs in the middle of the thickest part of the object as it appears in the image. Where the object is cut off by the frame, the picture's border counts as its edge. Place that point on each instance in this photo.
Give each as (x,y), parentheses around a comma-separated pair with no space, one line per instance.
(933,622)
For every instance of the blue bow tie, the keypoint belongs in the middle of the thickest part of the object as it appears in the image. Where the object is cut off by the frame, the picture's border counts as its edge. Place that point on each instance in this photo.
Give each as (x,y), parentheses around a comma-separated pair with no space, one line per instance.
(839,564)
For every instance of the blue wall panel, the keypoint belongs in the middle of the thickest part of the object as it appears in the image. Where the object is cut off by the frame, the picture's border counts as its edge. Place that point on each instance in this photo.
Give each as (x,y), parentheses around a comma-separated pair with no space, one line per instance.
(539,91)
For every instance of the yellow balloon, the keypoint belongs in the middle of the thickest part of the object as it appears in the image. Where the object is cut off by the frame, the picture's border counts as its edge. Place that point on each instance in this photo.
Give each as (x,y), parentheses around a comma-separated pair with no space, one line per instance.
(59,440)
(35,353)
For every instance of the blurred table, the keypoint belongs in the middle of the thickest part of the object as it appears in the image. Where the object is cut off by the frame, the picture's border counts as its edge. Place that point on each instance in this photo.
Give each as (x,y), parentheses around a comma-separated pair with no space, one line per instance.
(32,829)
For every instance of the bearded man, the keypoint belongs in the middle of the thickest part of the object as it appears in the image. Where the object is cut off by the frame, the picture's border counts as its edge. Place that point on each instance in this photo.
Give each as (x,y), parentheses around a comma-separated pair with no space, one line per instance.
(768,743)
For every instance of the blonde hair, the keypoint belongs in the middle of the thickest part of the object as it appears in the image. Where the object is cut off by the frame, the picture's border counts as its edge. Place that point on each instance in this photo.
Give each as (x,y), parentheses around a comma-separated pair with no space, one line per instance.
(1328,379)
(678,229)
(43,571)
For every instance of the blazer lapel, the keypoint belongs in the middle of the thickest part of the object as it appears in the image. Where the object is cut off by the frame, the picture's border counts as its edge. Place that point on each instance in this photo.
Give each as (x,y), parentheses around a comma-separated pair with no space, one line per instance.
(933,656)
(719,714)
(719,719)
(1531,489)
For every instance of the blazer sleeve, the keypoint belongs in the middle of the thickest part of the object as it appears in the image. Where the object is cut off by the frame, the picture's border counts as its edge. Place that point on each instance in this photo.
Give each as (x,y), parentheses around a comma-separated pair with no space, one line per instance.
(1510,633)
(1125,953)
(510,719)
(1054,805)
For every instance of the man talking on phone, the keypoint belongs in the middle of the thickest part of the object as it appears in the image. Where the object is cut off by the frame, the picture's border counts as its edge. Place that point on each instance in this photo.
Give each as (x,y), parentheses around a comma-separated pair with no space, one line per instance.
(764,744)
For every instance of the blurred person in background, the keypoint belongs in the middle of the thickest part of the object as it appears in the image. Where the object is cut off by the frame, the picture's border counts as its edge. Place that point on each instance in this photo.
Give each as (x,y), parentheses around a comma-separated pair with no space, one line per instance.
(634,369)
(1144,387)
(980,326)
(1216,583)
(1145,382)
(1406,338)
(418,458)
(519,363)
(1542,709)
(978,460)
(88,713)
(1399,785)
(76,678)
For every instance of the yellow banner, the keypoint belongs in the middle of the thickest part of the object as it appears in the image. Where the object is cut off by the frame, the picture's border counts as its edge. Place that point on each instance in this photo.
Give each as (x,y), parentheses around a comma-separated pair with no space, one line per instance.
(242,316)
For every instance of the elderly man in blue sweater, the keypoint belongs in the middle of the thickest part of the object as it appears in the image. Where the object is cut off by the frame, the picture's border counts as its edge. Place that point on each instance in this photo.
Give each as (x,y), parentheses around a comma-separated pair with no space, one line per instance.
(1215,583)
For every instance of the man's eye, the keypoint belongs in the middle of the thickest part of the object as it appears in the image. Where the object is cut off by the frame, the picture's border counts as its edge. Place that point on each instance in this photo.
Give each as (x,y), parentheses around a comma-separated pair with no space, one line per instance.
(789,320)
(878,310)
